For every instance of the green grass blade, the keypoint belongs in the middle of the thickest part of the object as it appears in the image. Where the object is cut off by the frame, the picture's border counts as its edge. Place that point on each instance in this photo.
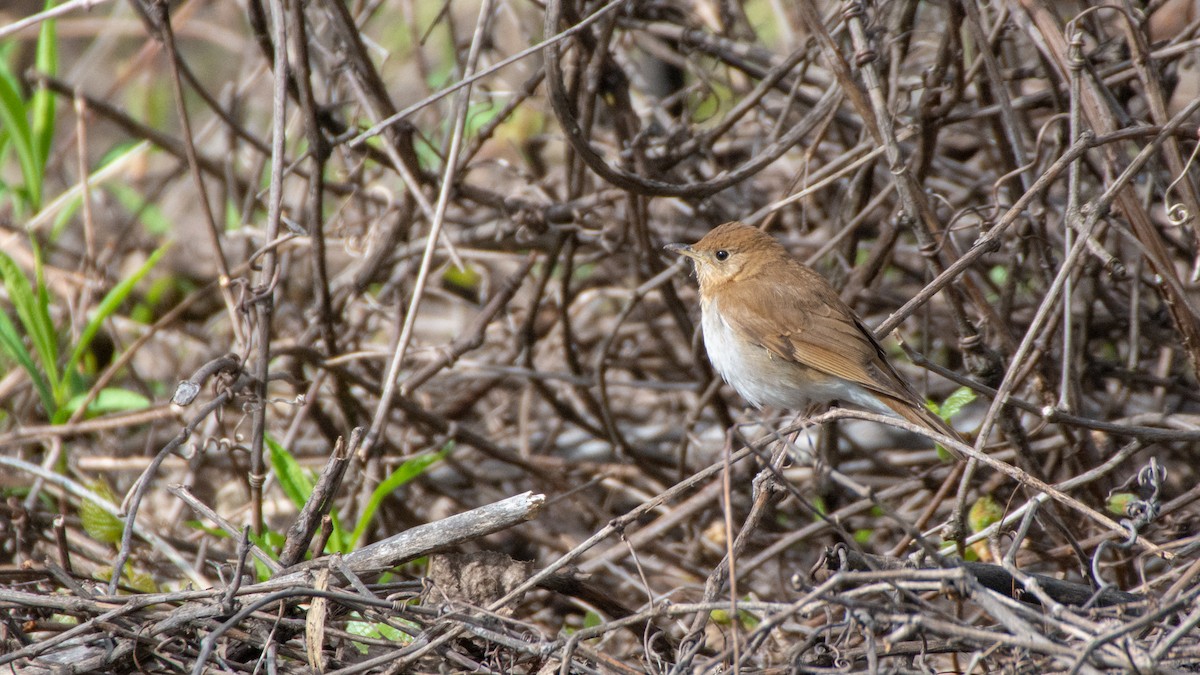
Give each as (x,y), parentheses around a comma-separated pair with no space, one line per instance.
(407,471)
(107,307)
(3,151)
(43,101)
(14,348)
(298,487)
(48,343)
(151,217)
(35,319)
(13,117)
(268,542)
(295,483)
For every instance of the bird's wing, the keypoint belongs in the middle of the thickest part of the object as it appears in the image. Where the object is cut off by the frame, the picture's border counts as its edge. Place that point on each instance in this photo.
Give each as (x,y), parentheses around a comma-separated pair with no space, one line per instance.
(816,329)
(813,328)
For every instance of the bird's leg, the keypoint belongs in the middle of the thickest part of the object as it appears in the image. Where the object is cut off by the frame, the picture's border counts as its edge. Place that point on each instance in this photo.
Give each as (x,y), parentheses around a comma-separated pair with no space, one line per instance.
(826,459)
(801,424)
(780,458)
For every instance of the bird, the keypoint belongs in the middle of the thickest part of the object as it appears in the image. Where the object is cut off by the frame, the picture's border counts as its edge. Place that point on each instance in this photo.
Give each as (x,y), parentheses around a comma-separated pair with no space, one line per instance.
(780,335)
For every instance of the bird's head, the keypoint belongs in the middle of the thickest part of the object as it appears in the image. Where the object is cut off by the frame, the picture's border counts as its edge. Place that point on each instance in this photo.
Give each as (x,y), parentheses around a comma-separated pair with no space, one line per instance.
(730,252)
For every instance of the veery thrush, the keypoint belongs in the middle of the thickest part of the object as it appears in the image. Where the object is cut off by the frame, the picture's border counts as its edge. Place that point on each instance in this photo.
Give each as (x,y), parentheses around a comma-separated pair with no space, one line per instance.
(782,336)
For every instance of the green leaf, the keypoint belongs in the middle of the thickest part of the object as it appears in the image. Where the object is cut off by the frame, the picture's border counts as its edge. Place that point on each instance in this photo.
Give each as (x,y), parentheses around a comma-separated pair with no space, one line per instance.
(108,306)
(212,531)
(747,620)
(376,630)
(466,278)
(984,512)
(292,478)
(98,522)
(591,619)
(955,402)
(818,505)
(391,633)
(407,471)
(1118,503)
(108,400)
(139,581)
(66,619)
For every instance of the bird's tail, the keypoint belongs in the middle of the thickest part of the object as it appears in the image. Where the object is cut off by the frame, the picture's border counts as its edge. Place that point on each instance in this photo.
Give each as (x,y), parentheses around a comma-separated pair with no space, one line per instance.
(921,416)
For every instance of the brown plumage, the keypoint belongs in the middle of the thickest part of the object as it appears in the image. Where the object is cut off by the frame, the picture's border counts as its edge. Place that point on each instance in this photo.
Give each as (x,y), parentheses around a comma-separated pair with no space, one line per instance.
(780,335)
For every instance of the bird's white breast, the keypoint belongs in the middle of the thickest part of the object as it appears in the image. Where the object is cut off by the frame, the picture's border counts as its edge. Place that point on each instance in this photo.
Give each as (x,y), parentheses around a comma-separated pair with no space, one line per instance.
(744,364)
(766,379)
(724,351)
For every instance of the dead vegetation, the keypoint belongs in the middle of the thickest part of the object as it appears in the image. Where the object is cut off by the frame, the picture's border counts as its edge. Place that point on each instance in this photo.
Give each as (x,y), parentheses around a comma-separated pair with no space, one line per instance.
(416,301)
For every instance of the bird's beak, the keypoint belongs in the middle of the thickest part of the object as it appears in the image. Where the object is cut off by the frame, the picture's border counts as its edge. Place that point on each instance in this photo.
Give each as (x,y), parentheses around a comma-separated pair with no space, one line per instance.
(681,249)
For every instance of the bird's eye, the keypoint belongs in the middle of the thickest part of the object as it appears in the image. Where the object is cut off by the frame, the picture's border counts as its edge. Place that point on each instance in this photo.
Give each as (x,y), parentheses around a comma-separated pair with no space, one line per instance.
(721,255)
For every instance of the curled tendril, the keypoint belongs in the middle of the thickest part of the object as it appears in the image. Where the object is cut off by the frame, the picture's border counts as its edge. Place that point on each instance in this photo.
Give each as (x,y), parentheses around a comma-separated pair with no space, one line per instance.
(1177,213)
(1141,512)
(1146,509)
